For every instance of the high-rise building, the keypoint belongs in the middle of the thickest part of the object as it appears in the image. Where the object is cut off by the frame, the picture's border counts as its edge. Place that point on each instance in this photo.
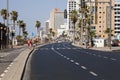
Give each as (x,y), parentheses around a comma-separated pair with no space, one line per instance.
(71,5)
(102,17)
(46,29)
(117,20)
(56,19)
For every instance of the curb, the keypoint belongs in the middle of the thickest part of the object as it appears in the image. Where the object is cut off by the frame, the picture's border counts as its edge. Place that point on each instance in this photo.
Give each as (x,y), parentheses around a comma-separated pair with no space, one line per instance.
(16,68)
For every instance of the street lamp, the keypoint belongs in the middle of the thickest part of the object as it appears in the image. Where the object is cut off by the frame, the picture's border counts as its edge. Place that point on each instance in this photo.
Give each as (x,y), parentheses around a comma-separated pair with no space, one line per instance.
(7,33)
(1,36)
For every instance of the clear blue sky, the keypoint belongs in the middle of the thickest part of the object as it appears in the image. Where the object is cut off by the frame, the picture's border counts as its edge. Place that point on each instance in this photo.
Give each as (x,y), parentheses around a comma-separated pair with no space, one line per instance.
(32,10)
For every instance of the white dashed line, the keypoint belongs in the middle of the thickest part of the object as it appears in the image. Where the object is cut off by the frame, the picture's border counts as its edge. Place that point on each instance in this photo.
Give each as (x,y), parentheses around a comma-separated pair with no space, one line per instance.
(64,56)
(105,57)
(94,74)
(99,55)
(113,59)
(77,63)
(94,54)
(83,67)
(8,68)
(2,75)
(68,58)
(72,60)
(5,71)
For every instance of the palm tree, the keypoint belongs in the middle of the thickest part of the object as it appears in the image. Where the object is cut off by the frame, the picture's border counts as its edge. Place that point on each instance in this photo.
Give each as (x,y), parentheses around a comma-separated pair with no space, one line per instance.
(4,14)
(107,31)
(20,24)
(84,12)
(79,27)
(37,25)
(23,26)
(74,18)
(14,16)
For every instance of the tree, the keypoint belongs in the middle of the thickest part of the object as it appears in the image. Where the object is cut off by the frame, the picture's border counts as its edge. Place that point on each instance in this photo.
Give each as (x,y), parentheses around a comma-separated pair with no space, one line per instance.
(74,18)
(23,26)
(4,14)
(14,16)
(38,24)
(20,24)
(107,31)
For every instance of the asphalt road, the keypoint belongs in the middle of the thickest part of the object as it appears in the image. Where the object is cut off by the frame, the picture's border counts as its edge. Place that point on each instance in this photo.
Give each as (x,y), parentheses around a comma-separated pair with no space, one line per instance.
(62,61)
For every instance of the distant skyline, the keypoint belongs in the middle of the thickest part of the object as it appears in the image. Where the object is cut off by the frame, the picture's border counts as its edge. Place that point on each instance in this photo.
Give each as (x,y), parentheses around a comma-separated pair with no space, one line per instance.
(32,10)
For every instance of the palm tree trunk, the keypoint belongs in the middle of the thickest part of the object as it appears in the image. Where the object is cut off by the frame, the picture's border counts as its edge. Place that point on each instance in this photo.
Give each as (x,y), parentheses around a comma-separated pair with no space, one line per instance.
(74,34)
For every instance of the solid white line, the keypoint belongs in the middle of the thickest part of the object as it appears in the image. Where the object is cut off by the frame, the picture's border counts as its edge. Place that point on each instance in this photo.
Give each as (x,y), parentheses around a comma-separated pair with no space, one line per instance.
(83,67)
(94,74)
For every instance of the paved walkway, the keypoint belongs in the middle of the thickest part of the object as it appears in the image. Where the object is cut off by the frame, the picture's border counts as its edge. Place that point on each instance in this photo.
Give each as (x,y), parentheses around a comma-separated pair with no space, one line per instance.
(15,70)
(99,48)
(15,65)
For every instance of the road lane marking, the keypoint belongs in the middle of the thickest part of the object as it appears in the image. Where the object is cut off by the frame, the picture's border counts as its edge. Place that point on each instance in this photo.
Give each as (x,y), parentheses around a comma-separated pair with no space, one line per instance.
(2,75)
(5,71)
(68,58)
(105,57)
(72,60)
(77,63)
(83,67)
(113,59)
(94,74)
(99,55)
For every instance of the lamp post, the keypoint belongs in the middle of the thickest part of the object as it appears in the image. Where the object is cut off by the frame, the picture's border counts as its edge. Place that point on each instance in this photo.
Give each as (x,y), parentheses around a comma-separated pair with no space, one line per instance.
(110,23)
(7,33)
(1,36)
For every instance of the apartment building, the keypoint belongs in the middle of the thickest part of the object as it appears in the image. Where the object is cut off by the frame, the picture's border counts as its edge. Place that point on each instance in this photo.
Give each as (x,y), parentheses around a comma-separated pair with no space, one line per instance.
(117,20)
(102,18)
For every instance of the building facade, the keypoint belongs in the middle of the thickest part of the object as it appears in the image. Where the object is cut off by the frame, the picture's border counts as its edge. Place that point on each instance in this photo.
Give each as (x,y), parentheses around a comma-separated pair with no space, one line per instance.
(101,17)
(56,19)
(117,20)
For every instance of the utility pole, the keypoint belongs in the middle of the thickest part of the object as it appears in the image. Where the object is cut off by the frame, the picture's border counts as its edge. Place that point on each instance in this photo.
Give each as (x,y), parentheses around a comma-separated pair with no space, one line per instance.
(110,23)
(7,34)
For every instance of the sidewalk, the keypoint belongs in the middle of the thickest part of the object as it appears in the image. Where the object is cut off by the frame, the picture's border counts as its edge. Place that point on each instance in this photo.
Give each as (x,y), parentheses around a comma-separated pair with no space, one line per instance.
(98,48)
(15,69)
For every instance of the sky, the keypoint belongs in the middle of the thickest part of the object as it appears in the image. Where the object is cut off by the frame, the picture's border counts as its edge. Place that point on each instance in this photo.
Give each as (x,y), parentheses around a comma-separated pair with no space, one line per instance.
(32,10)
